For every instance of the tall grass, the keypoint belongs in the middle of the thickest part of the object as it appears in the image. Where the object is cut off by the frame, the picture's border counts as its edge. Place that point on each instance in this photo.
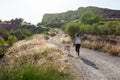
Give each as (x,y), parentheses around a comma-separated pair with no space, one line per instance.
(66,39)
(32,72)
(97,43)
(34,59)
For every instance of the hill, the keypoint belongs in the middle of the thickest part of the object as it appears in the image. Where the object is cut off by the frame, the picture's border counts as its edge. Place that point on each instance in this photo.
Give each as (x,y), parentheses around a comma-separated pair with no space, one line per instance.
(74,15)
(103,12)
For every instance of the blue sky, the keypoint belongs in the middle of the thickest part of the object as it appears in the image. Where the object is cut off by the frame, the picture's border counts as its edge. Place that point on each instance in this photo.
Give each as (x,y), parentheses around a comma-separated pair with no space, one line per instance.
(33,10)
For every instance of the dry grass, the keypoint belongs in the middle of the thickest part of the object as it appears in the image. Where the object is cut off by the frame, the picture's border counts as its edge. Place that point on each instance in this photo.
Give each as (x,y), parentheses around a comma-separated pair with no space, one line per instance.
(34,50)
(92,45)
(66,39)
(112,49)
(100,44)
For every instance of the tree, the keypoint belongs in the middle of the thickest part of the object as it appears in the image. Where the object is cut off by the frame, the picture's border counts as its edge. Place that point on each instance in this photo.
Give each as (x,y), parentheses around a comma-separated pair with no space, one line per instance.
(3,33)
(89,17)
(71,28)
(28,27)
(17,21)
(21,33)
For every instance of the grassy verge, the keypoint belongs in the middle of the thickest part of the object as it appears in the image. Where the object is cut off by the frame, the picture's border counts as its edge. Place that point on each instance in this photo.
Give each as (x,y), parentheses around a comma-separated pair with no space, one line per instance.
(107,44)
(34,59)
(32,72)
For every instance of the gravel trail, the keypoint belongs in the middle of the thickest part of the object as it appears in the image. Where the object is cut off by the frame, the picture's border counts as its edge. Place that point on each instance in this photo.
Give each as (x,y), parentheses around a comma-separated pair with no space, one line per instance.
(91,65)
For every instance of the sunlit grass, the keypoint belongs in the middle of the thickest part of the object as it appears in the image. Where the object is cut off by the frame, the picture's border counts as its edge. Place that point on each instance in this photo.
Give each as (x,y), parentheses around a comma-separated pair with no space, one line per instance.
(112,49)
(34,59)
(101,45)
(66,39)
(32,72)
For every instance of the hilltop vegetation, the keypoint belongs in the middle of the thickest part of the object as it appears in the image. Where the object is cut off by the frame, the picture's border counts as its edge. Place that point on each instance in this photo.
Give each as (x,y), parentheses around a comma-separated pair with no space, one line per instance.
(59,17)
(105,14)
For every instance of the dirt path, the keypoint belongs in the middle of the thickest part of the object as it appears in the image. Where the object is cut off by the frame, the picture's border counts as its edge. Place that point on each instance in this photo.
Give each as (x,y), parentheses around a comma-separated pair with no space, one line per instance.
(91,65)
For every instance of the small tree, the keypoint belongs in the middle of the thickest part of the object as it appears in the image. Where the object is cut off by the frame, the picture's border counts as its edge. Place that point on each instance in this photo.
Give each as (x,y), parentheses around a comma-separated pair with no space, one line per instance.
(11,40)
(71,28)
(3,33)
(21,33)
(89,17)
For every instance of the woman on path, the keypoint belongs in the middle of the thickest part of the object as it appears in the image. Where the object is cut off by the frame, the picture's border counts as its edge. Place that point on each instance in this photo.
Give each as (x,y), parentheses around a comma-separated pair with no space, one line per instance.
(77,43)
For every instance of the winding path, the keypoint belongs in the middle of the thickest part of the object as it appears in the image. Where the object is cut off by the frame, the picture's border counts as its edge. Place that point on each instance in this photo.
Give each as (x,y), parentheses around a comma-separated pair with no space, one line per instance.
(92,65)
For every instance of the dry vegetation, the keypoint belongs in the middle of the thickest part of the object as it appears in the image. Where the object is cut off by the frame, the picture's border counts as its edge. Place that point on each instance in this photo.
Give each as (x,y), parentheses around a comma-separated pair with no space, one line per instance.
(109,44)
(66,39)
(35,51)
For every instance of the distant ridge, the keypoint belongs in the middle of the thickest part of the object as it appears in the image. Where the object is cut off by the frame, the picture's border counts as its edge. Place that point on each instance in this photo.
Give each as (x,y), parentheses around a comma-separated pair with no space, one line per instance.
(103,12)
(73,15)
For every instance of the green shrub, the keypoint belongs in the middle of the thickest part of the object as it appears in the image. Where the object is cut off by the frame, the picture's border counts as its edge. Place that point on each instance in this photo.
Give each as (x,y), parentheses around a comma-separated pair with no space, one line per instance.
(71,28)
(3,33)
(31,72)
(40,29)
(3,42)
(89,17)
(3,50)
(113,27)
(28,27)
(11,40)
(84,29)
(3,47)
(21,33)
(94,29)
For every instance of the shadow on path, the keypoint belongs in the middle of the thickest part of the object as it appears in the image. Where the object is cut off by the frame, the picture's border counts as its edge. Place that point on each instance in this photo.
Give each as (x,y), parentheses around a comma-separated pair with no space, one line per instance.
(69,55)
(89,63)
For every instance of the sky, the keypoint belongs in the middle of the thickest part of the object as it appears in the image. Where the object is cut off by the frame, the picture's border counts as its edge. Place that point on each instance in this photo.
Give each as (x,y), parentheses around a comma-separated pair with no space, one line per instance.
(33,10)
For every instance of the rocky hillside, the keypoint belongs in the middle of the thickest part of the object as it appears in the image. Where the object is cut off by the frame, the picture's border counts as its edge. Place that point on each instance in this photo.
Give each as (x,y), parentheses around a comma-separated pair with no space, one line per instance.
(103,12)
(74,15)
